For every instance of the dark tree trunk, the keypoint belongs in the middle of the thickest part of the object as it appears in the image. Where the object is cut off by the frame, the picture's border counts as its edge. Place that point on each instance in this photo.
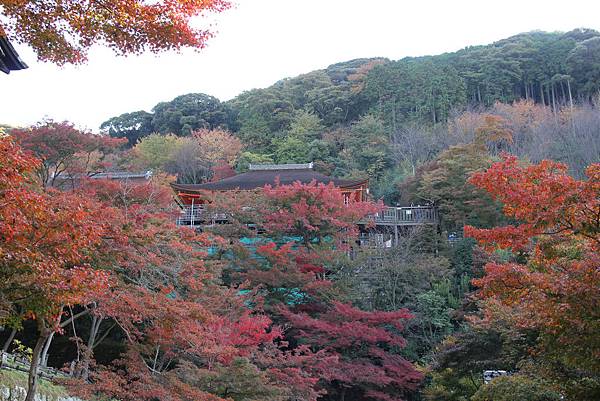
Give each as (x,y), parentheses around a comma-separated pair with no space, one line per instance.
(562,91)
(553,99)
(542,94)
(433,116)
(9,340)
(84,368)
(95,327)
(394,114)
(32,380)
(570,94)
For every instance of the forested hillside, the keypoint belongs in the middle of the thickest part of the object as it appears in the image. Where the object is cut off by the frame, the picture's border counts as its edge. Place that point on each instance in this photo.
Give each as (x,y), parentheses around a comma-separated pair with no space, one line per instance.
(549,68)
(382,118)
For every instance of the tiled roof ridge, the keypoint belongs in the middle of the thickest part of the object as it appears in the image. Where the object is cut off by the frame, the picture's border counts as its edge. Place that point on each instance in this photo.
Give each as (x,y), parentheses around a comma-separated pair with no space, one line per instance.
(107,174)
(289,166)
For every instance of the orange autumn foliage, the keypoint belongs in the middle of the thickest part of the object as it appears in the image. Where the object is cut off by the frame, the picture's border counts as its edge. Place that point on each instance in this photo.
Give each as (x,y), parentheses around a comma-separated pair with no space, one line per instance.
(218,146)
(544,198)
(555,289)
(63,31)
(45,242)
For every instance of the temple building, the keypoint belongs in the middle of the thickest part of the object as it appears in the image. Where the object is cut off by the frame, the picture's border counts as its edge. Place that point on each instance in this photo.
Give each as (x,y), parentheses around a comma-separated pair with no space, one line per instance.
(70,181)
(381,230)
(259,175)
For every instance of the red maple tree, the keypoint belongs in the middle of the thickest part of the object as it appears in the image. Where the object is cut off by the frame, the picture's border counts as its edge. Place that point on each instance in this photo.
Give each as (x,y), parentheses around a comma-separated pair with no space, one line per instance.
(364,344)
(353,351)
(65,152)
(47,240)
(63,32)
(181,325)
(315,212)
(552,286)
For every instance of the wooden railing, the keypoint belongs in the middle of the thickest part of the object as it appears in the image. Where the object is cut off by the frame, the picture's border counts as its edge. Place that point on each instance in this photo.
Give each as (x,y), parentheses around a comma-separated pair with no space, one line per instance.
(412,215)
(22,364)
(402,216)
(195,216)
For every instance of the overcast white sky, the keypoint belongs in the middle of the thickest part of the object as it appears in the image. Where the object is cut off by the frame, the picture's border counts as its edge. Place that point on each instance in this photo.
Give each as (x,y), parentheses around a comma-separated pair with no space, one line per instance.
(261,41)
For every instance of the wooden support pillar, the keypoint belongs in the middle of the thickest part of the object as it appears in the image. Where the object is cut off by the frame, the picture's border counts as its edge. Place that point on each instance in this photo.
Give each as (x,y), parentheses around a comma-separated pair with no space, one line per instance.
(396,234)
(192,217)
